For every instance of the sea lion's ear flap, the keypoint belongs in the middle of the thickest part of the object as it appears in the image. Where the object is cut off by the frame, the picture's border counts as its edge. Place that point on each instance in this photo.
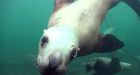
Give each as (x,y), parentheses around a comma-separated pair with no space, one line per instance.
(74,52)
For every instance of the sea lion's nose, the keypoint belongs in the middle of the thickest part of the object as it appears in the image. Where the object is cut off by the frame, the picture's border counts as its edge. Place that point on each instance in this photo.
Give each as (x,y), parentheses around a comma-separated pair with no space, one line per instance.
(55,60)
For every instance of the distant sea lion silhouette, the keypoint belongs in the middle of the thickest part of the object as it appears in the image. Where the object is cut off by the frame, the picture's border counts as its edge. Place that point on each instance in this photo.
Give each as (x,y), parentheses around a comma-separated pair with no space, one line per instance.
(106,66)
(73,31)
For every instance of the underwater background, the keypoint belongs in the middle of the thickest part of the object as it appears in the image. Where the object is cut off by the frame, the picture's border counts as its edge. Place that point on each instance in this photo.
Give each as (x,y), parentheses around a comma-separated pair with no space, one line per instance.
(22,23)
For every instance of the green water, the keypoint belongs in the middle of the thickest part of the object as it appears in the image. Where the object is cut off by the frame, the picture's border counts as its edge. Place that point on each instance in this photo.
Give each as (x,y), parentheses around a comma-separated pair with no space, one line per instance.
(22,23)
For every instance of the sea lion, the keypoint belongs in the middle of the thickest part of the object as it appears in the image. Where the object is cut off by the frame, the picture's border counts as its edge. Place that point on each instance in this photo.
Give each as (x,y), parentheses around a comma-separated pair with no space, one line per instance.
(73,31)
(106,66)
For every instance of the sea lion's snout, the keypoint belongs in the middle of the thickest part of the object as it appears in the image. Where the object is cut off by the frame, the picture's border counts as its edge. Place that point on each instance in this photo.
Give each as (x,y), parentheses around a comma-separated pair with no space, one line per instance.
(52,65)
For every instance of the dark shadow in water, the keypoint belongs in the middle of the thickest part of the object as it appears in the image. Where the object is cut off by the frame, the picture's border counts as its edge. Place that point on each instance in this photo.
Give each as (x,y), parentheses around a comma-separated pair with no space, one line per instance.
(135,4)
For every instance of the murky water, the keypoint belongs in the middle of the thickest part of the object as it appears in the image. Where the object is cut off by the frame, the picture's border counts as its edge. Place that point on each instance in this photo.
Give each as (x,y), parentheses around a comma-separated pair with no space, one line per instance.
(22,23)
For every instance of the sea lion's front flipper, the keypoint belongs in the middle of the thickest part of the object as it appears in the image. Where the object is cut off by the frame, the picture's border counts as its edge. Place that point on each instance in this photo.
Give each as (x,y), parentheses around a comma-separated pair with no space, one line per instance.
(60,3)
(107,43)
(134,4)
(114,3)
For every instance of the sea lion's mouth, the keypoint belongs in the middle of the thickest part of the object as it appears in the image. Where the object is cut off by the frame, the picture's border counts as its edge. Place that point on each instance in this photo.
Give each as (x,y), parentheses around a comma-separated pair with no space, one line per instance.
(49,70)
(52,71)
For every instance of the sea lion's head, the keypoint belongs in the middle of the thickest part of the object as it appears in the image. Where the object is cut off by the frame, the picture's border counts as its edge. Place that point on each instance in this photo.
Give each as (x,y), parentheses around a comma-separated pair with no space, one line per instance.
(56,49)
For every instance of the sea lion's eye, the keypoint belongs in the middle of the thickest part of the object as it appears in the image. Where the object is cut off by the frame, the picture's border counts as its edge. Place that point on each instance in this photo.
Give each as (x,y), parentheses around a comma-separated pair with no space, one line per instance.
(44,40)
